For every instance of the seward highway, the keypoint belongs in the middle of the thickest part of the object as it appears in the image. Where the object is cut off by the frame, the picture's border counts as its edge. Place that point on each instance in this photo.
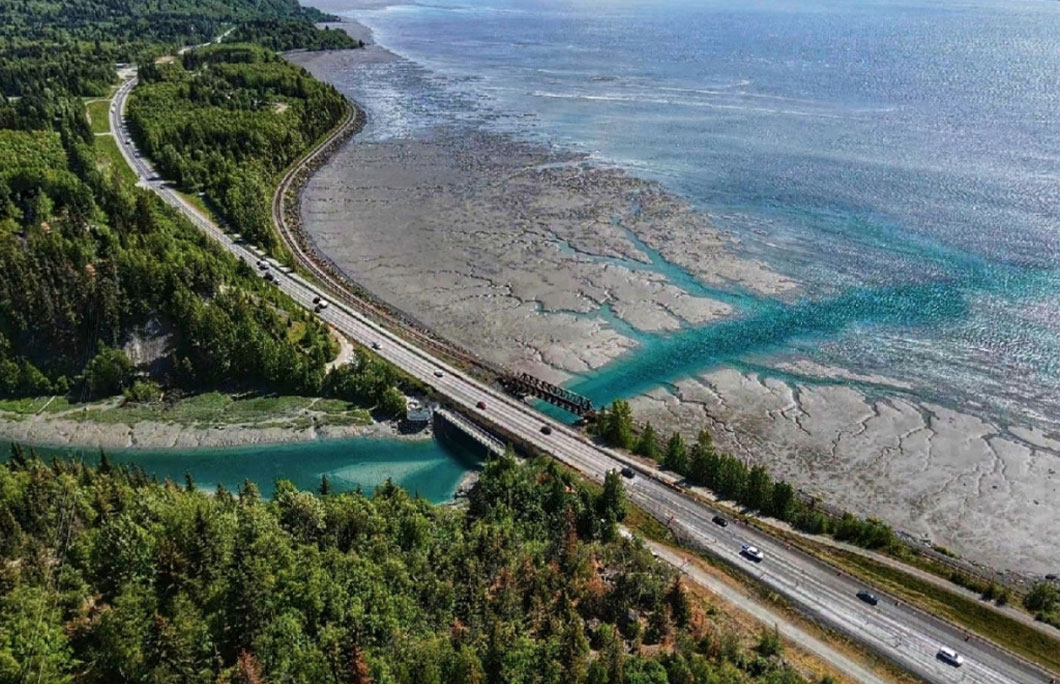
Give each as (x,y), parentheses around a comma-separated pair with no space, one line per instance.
(908,637)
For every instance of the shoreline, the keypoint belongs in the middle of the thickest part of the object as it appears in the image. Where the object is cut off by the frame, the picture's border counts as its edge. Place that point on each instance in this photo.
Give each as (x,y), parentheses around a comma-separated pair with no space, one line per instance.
(149,435)
(208,420)
(553,275)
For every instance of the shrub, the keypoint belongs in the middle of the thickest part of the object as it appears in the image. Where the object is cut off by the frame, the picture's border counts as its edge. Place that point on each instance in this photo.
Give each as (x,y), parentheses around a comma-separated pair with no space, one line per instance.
(143,391)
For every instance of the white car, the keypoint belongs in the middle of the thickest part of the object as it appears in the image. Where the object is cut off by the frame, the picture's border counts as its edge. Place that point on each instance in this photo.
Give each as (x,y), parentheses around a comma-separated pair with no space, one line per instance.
(752,552)
(948,655)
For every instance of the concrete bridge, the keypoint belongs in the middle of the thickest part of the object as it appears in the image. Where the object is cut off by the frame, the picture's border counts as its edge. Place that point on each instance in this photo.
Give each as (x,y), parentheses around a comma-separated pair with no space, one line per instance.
(447,421)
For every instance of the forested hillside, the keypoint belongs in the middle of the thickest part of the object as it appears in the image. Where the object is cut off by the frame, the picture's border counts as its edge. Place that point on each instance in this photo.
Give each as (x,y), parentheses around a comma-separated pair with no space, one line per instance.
(283,34)
(106,577)
(73,45)
(225,120)
(91,264)
(88,261)
(129,21)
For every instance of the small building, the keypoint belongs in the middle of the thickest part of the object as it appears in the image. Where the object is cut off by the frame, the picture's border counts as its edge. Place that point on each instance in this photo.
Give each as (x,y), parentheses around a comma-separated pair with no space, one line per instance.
(417,415)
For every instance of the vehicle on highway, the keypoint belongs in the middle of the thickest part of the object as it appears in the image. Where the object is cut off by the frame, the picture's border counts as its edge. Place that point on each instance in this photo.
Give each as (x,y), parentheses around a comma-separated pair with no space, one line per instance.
(752,552)
(316,299)
(546,430)
(868,597)
(627,472)
(720,521)
(949,656)
(438,373)
(321,306)
(375,345)
(481,405)
(268,276)
(263,266)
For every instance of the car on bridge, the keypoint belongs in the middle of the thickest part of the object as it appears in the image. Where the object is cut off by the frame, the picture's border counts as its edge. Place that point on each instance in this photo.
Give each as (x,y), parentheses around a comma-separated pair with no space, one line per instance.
(481,405)
(627,472)
(375,345)
(720,521)
(438,374)
(546,430)
(752,552)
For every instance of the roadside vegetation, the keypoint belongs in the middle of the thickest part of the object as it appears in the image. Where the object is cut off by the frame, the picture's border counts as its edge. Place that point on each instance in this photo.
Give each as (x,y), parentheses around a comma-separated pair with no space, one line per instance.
(108,576)
(733,480)
(224,120)
(1044,601)
(751,488)
(98,112)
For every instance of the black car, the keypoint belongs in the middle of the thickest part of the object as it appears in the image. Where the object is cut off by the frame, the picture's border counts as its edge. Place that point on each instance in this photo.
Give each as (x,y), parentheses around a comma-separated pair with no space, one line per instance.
(718,520)
(868,598)
(546,430)
(627,472)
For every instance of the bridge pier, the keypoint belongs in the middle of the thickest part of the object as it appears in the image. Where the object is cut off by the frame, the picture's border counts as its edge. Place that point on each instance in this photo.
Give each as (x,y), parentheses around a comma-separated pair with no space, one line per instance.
(453,428)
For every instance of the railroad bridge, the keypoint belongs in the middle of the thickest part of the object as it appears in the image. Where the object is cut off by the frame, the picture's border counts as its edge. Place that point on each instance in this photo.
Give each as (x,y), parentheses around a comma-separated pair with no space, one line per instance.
(524,385)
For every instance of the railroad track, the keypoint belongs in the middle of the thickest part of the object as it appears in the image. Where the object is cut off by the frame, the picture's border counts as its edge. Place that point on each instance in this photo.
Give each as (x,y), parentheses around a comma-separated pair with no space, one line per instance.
(338,284)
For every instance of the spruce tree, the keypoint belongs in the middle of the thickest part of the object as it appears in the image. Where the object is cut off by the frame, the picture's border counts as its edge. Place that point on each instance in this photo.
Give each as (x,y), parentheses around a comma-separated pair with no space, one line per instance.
(648,444)
(676,458)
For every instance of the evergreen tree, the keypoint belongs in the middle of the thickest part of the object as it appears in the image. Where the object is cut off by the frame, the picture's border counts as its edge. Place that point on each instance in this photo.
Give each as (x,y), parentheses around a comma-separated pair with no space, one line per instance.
(620,425)
(783,503)
(758,494)
(676,456)
(613,498)
(648,443)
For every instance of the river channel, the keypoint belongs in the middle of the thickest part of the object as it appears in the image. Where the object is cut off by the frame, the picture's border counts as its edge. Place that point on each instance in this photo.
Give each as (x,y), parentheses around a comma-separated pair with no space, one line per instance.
(430,468)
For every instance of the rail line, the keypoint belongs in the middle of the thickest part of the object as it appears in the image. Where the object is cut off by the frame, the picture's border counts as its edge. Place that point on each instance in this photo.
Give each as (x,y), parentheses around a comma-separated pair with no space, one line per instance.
(285,203)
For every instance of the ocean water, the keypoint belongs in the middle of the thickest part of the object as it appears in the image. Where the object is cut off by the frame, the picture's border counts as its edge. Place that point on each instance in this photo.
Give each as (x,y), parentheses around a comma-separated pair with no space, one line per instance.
(428,468)
(900,160)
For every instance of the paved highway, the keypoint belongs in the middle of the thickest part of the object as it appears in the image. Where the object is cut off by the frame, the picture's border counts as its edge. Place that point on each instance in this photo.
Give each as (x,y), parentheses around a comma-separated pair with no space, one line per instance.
(905,635)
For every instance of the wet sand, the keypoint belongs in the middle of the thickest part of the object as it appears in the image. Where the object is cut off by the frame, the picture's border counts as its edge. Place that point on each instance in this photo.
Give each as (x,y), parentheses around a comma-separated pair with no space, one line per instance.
(531,257)
(68,430)
(535,260)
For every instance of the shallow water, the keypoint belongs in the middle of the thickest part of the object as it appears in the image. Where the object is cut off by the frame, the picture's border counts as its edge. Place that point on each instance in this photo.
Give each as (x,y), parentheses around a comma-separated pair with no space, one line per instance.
(428,468)
(898,159)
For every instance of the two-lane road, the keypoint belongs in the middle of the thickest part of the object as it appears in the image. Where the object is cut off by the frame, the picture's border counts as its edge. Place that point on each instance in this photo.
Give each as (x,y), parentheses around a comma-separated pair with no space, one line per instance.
(907,636)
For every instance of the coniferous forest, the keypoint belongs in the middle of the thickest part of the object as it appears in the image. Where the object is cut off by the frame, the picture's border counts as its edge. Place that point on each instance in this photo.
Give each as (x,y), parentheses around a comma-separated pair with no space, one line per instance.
(91,263)
(109,577)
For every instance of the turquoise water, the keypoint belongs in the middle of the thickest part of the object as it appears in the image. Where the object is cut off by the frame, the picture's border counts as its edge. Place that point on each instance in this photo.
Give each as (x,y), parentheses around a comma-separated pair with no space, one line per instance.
(900,160)
(424,467)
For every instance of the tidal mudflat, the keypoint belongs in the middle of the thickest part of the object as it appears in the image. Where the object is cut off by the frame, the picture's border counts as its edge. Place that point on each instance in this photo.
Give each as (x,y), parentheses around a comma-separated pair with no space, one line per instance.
(549,262)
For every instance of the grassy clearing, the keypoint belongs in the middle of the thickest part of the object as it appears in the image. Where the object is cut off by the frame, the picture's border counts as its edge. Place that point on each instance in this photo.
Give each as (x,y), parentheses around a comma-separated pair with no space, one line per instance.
(108,156)
(98,115)
(31,406)
(976,616)
(215,408)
